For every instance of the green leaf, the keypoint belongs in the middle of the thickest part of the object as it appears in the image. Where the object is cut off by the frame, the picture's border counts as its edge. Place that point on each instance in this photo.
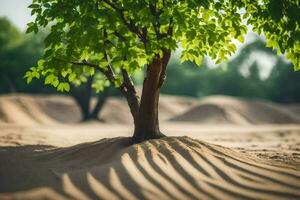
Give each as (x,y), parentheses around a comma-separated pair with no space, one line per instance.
(66,72)
(218,61)
(198,60)
(72,76)
(50,79)
(29,29)
(28,77)
(34,6)
(64,86)
(241,38)
(55,82)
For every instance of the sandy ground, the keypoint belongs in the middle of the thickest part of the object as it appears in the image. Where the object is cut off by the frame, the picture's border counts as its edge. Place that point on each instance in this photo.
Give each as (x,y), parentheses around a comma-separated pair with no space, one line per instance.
(218,148)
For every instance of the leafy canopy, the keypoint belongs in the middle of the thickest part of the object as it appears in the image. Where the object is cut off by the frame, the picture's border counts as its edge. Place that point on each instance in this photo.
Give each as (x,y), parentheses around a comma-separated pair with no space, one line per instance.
(114,36)
(279,21)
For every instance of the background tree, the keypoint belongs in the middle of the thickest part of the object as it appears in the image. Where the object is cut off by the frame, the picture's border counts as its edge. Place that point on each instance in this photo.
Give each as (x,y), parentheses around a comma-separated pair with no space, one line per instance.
(16,52)
(119,37)
(227,79)
(282,83)
(84,94)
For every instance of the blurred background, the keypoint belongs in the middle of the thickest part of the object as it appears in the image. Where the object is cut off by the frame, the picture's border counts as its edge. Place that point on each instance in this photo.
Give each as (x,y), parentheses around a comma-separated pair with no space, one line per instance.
(254,72)
(250,104)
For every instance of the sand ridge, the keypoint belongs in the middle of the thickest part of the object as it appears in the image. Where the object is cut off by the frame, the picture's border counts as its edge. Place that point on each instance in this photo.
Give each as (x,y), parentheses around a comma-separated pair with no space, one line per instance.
(52,109)
(33,110)
(229,110)
(170,168)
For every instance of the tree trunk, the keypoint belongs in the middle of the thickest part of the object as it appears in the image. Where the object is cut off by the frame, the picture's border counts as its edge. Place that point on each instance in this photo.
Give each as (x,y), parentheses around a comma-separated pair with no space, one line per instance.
(102,97)
(83,102)
(147,123)
(10,83)
(82,96)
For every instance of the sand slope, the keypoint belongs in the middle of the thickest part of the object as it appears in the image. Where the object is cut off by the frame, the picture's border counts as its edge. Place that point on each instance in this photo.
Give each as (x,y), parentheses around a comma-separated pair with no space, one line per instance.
(21,109)
(44,155)
(52,109)
(229,110)
(171,168)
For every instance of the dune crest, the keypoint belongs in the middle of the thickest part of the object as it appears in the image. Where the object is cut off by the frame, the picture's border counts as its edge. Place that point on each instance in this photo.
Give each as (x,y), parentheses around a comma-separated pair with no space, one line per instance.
(23,110)
(230,110)
(169,168)
(53,109)
(33,110)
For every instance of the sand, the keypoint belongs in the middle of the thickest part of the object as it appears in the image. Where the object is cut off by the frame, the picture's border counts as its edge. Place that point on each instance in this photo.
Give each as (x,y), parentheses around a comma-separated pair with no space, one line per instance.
(32,110)
(46,154)
(229,110)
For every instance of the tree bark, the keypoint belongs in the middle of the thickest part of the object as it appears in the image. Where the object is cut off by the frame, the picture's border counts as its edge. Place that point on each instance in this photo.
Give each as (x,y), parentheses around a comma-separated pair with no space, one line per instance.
(147,123)
(82,96)
(144,112)
(131,96)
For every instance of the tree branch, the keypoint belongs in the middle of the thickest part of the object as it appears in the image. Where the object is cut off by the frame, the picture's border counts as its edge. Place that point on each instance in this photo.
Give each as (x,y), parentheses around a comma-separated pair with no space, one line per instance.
(165,60)
(119,35)
(127,87)
(142,34)
(108,73)
(152,8)
(128,81)
(170,29)
(82,63)
(130,25)
(131,96)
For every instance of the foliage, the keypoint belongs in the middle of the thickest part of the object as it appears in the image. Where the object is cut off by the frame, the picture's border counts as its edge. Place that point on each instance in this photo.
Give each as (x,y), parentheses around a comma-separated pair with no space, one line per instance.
(282,85)
(113,35)
(9,35)
(129,34)
(279,21)
(17,51)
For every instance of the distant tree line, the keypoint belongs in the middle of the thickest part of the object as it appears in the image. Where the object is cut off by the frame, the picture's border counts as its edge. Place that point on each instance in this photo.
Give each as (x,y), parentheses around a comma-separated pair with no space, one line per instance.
(227,79)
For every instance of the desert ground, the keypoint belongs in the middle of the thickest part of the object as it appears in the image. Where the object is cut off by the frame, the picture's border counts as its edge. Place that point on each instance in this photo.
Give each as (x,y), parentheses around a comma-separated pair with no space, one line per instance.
(217,148)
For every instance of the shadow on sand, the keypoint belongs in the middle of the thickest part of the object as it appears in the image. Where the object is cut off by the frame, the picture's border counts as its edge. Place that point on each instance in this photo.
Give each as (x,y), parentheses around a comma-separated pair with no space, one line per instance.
(169,168)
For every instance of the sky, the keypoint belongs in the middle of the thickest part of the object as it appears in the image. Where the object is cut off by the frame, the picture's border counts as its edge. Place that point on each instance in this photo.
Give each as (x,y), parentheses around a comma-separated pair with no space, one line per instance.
(17,12)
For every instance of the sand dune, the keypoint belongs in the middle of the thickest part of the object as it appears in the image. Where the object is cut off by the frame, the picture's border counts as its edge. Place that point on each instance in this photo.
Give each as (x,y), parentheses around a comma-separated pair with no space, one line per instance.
(52,109)
(45,155)
(22,111)
(49,110)
(171,168)
(229,110)
(295,108)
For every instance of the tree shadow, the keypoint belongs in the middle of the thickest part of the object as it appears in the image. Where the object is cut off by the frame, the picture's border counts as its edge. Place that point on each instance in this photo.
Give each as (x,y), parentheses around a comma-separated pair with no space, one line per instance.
(169,168)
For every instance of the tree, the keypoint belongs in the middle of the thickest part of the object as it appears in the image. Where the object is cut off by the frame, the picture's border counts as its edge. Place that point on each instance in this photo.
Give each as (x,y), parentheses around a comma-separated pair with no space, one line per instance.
(9,35)
(18,50)
(283,85)
(83,96)
(10,39)
(120,37)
